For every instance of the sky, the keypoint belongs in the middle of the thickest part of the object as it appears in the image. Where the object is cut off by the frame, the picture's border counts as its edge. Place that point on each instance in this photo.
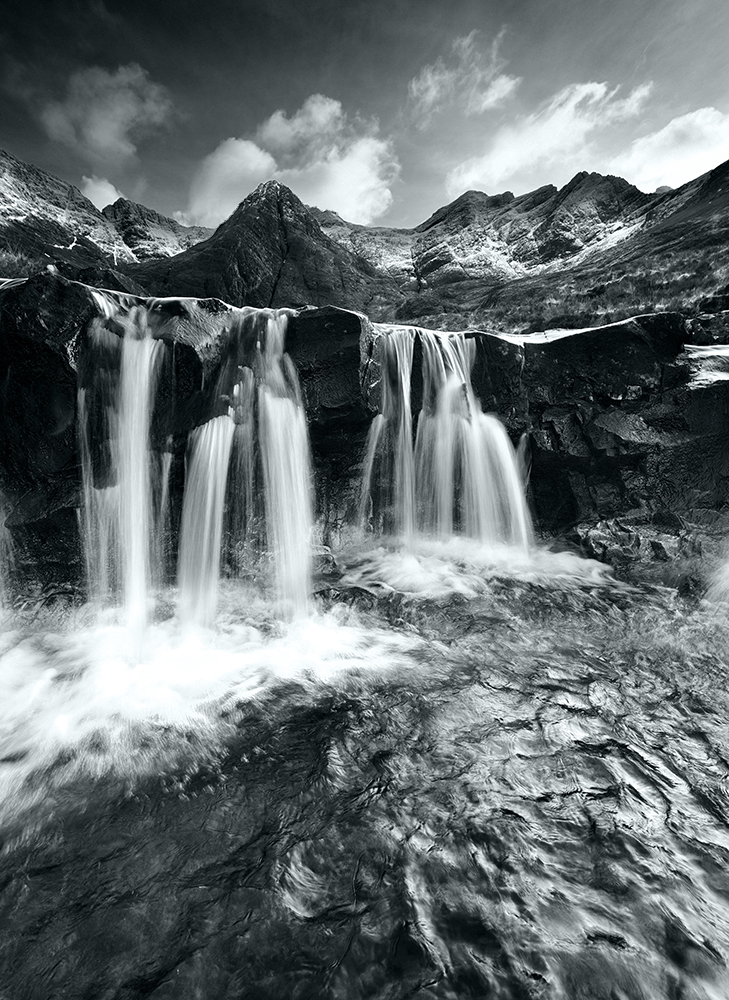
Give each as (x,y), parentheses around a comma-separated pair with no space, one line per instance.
(382,111)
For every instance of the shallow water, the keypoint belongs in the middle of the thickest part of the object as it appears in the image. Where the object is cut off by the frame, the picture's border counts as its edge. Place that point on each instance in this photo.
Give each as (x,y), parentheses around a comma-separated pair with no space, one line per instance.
(463,776)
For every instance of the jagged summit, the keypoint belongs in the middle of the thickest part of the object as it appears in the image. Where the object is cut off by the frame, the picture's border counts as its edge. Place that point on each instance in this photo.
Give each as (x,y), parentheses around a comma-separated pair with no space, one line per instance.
(50,219)
(45,217)
(272,252)
(469,254)
(148,233)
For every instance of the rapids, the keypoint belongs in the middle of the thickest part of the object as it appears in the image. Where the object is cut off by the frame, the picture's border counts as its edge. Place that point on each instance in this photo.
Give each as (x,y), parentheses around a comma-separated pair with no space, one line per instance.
(448,763)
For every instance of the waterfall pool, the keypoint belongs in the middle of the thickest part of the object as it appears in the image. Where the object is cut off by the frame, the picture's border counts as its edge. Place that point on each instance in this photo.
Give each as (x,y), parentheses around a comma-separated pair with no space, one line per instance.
(449,780)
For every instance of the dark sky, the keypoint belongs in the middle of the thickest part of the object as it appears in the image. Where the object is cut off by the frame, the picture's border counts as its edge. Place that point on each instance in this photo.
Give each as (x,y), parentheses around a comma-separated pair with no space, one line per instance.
(382,110)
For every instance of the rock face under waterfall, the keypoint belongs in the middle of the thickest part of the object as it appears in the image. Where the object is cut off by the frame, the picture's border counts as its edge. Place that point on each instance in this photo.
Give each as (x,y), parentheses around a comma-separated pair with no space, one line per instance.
(624,421)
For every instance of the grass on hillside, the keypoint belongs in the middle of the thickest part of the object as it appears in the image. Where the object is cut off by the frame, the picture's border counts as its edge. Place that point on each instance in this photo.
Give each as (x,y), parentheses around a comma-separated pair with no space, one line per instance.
(16,264)
(576,299)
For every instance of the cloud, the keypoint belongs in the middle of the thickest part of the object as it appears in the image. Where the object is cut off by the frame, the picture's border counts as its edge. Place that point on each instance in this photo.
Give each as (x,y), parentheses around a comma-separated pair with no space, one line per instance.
(224,178)
(104,113)
(685,148)
(328,159)
(317,122)
(100,191)
(470,79)
(558,135)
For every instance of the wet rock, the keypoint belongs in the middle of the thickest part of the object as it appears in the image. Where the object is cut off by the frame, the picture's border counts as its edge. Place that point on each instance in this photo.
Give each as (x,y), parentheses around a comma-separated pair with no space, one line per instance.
(619,422)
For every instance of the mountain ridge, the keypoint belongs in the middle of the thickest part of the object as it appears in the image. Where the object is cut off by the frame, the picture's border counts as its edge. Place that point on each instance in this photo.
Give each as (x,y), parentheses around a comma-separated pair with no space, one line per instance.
(510,260)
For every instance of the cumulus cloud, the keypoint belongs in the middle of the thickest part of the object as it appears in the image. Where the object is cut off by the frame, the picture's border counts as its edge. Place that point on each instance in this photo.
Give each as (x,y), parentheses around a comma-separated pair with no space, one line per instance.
(100,191)
(685,148)
(328,159)
(315,124)
(223,179)
(104,113)
(557,135)
(470,78)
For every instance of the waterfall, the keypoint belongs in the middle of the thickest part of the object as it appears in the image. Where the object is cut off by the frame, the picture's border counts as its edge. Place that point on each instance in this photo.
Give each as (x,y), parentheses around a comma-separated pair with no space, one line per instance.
(260,449)
(202,519)
(461,476)
(287,472)
(119,524)
(140,353)
(389,457)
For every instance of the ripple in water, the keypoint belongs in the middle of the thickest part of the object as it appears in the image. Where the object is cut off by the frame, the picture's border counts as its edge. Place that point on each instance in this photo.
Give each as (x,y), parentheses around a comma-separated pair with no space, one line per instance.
(453,780)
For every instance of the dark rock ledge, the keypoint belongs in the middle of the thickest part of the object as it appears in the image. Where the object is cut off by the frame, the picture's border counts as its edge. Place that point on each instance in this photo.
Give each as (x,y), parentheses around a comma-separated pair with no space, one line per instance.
(626,424)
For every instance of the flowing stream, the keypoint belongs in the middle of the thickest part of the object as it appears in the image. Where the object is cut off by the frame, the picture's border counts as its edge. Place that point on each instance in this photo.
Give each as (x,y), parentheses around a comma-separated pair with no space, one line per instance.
(456,765)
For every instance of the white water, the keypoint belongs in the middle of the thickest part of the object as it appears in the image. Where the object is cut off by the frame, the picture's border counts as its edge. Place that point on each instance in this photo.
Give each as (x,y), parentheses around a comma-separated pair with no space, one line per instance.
(287,474)
(202,520)
(462,476)
(260,447)
(81,697)
(139,363)
(119,523)
(389,456)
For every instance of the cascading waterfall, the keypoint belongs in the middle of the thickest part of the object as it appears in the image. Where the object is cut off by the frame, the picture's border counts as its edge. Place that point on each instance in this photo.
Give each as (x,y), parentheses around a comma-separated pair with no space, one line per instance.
(119,524)
(287,472)
(260,448)
(461,476)
(242,509)
(248,469)
(140,356)
(389,457)
(202,519)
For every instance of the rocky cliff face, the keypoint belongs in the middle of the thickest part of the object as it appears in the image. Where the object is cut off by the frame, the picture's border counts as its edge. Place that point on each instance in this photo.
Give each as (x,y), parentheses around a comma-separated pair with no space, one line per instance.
(50,220)
(46,218)
(150,235)
(479,237)
(626,421)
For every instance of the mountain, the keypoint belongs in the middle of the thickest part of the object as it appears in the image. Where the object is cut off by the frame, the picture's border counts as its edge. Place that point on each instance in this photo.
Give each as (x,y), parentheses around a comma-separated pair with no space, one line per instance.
(47,220)
(480,236)
(596,250)
(592,252)
(149,234)
(273,252)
